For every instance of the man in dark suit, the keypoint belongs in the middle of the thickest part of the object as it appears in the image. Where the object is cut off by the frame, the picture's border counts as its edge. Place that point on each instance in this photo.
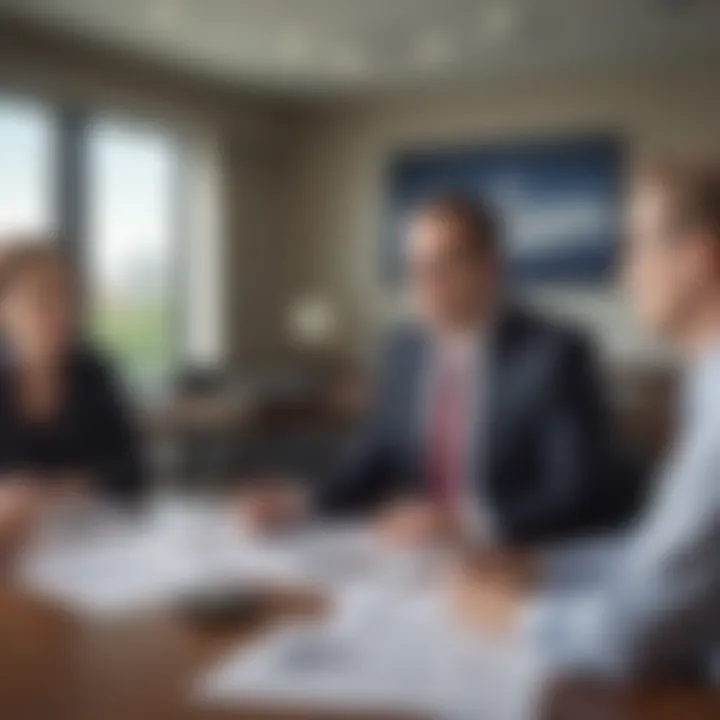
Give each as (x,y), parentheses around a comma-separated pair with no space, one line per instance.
(487,418)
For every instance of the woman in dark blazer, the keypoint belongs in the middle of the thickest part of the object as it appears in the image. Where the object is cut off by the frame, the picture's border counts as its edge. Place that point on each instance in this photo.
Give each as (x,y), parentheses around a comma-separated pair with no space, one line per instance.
(64,427)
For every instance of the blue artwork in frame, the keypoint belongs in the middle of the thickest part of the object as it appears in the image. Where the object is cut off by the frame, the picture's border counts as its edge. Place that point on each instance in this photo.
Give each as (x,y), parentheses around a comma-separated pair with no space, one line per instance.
(559,202)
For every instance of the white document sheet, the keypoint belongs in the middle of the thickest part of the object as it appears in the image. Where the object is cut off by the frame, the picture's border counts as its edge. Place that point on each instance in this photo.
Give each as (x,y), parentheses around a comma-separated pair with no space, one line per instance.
(107,564)
(383,650)
(116,564)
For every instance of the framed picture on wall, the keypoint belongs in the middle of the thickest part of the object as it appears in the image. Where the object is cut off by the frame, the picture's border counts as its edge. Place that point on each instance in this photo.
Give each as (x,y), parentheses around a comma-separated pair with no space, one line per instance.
(559,202)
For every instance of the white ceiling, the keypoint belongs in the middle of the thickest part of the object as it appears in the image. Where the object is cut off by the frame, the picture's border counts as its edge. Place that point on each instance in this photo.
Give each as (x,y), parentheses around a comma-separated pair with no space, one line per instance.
(356,44)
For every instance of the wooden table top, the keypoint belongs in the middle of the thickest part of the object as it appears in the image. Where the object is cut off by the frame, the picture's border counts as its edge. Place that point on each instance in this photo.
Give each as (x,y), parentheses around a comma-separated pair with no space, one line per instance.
(56,666)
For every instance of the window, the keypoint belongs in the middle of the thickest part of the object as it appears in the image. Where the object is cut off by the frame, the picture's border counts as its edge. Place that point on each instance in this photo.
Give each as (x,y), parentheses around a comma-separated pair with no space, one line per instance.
(110,186)
(131,179)
(27,167)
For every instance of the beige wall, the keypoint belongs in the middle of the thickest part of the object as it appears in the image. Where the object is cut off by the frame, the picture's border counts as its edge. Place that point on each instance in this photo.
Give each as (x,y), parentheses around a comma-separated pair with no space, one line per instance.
(342,152)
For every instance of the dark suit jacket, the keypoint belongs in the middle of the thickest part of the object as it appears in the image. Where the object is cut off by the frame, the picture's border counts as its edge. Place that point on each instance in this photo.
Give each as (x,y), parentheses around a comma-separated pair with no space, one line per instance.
(93,433)
(548,467)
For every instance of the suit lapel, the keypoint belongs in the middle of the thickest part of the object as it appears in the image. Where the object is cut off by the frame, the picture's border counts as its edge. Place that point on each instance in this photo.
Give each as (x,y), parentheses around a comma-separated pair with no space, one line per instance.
(500,393)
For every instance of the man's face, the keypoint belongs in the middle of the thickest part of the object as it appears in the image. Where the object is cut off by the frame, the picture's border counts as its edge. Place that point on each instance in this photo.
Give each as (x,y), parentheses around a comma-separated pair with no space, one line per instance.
(450,279)
(668,267)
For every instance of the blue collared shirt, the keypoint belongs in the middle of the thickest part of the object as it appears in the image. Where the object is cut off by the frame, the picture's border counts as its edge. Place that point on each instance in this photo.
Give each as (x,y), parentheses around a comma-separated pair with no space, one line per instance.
(655,607)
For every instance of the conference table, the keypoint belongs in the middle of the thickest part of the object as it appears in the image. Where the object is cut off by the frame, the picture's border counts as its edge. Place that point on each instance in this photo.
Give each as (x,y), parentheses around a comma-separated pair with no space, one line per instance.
(56,665)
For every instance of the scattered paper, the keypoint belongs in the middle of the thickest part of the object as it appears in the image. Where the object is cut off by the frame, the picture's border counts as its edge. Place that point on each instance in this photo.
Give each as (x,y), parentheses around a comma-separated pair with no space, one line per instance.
(404,655)
(108,564)
(387,642)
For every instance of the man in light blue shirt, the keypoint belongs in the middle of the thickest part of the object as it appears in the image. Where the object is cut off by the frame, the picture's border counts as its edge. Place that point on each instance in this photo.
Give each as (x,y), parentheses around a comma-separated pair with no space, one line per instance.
(656,609)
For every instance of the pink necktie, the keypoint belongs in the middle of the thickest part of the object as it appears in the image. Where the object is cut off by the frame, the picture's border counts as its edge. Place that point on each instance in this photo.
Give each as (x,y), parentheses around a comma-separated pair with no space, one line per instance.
(446,434)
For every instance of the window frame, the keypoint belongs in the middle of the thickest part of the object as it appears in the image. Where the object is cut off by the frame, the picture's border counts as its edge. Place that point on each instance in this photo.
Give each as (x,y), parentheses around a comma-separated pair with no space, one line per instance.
(70,181)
